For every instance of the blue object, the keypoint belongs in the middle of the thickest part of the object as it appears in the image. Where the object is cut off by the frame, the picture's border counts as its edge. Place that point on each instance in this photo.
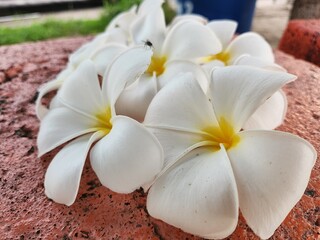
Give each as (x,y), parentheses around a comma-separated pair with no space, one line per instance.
(239,10)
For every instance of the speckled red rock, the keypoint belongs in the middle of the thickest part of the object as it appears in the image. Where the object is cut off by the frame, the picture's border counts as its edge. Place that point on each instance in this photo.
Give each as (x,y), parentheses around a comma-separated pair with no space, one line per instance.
(302,40)
(98,213)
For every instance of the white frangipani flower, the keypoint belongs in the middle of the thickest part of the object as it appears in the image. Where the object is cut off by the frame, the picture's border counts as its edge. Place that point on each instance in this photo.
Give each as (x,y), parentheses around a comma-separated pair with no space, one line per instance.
(212,168)
(250,43)
(172,44)
(173,54)
(126,19)
(101,50)
(252,50)
(126,155)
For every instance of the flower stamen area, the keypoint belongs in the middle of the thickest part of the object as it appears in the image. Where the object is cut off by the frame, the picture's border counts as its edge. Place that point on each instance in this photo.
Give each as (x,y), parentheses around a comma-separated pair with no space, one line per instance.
(222,134)
(157,65)
(223,57)
(104,120)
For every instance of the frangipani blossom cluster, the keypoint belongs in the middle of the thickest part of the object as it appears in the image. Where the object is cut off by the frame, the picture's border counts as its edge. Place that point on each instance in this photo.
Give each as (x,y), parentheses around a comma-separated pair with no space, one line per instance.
(184,110)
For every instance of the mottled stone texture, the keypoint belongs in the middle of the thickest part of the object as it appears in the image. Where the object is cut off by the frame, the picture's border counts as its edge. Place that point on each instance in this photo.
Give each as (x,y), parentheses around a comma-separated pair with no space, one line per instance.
(302,40)
(26,213)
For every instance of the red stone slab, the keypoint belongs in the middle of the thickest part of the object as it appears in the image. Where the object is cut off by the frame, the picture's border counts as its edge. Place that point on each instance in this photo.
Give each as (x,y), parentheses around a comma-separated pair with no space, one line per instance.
(302,40)
(98,213)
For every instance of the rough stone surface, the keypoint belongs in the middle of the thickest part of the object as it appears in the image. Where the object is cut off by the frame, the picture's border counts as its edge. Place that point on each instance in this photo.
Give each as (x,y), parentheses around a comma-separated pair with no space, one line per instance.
(302,40)
(98,213)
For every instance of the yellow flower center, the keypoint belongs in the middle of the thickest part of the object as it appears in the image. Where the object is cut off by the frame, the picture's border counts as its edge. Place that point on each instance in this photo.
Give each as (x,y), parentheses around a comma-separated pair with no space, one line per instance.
(222,134)
(104,124)
(157,65)
(223,57)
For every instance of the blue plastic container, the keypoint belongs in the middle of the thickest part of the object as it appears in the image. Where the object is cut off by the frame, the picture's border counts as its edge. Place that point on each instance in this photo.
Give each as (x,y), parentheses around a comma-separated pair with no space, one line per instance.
(239,10)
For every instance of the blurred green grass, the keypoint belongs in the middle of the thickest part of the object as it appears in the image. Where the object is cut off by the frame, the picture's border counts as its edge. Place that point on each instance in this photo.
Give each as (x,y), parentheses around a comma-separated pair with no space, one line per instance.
(49,29)
(56,28)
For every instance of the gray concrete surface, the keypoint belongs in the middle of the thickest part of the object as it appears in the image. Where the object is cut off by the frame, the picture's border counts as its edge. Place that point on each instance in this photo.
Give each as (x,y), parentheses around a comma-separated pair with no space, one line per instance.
(271,18)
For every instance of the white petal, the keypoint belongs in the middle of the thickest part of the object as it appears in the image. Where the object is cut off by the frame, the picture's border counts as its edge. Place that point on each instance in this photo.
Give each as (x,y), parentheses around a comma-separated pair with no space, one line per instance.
(149,5)
(176,144)
(201,41)
(270,114)
(61,125)
(65,73)
(55,84)
(63,175)
(105,55)
(173,68)
(272,170)
(208,67)
(42,110)
(134,100)
(128,157)
(181,105)
(123,20)
(55,103)
(124,70)
(224,30)
(238,91)
(252,44)
(84,52)
(198,195)
(117,35)
(151,27)
(177,115)
(187,17)
(257,62)
(80,54)
(81,91)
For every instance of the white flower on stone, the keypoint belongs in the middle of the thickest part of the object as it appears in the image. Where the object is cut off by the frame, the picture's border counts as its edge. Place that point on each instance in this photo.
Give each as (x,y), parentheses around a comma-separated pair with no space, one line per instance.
(252,50)
(212,167)
(249,44)
(126,155)
(101,50)
(175,51)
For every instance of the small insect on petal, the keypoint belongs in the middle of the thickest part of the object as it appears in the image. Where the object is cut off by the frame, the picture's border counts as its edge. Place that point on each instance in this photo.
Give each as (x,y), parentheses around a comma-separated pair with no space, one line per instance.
(148,43)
